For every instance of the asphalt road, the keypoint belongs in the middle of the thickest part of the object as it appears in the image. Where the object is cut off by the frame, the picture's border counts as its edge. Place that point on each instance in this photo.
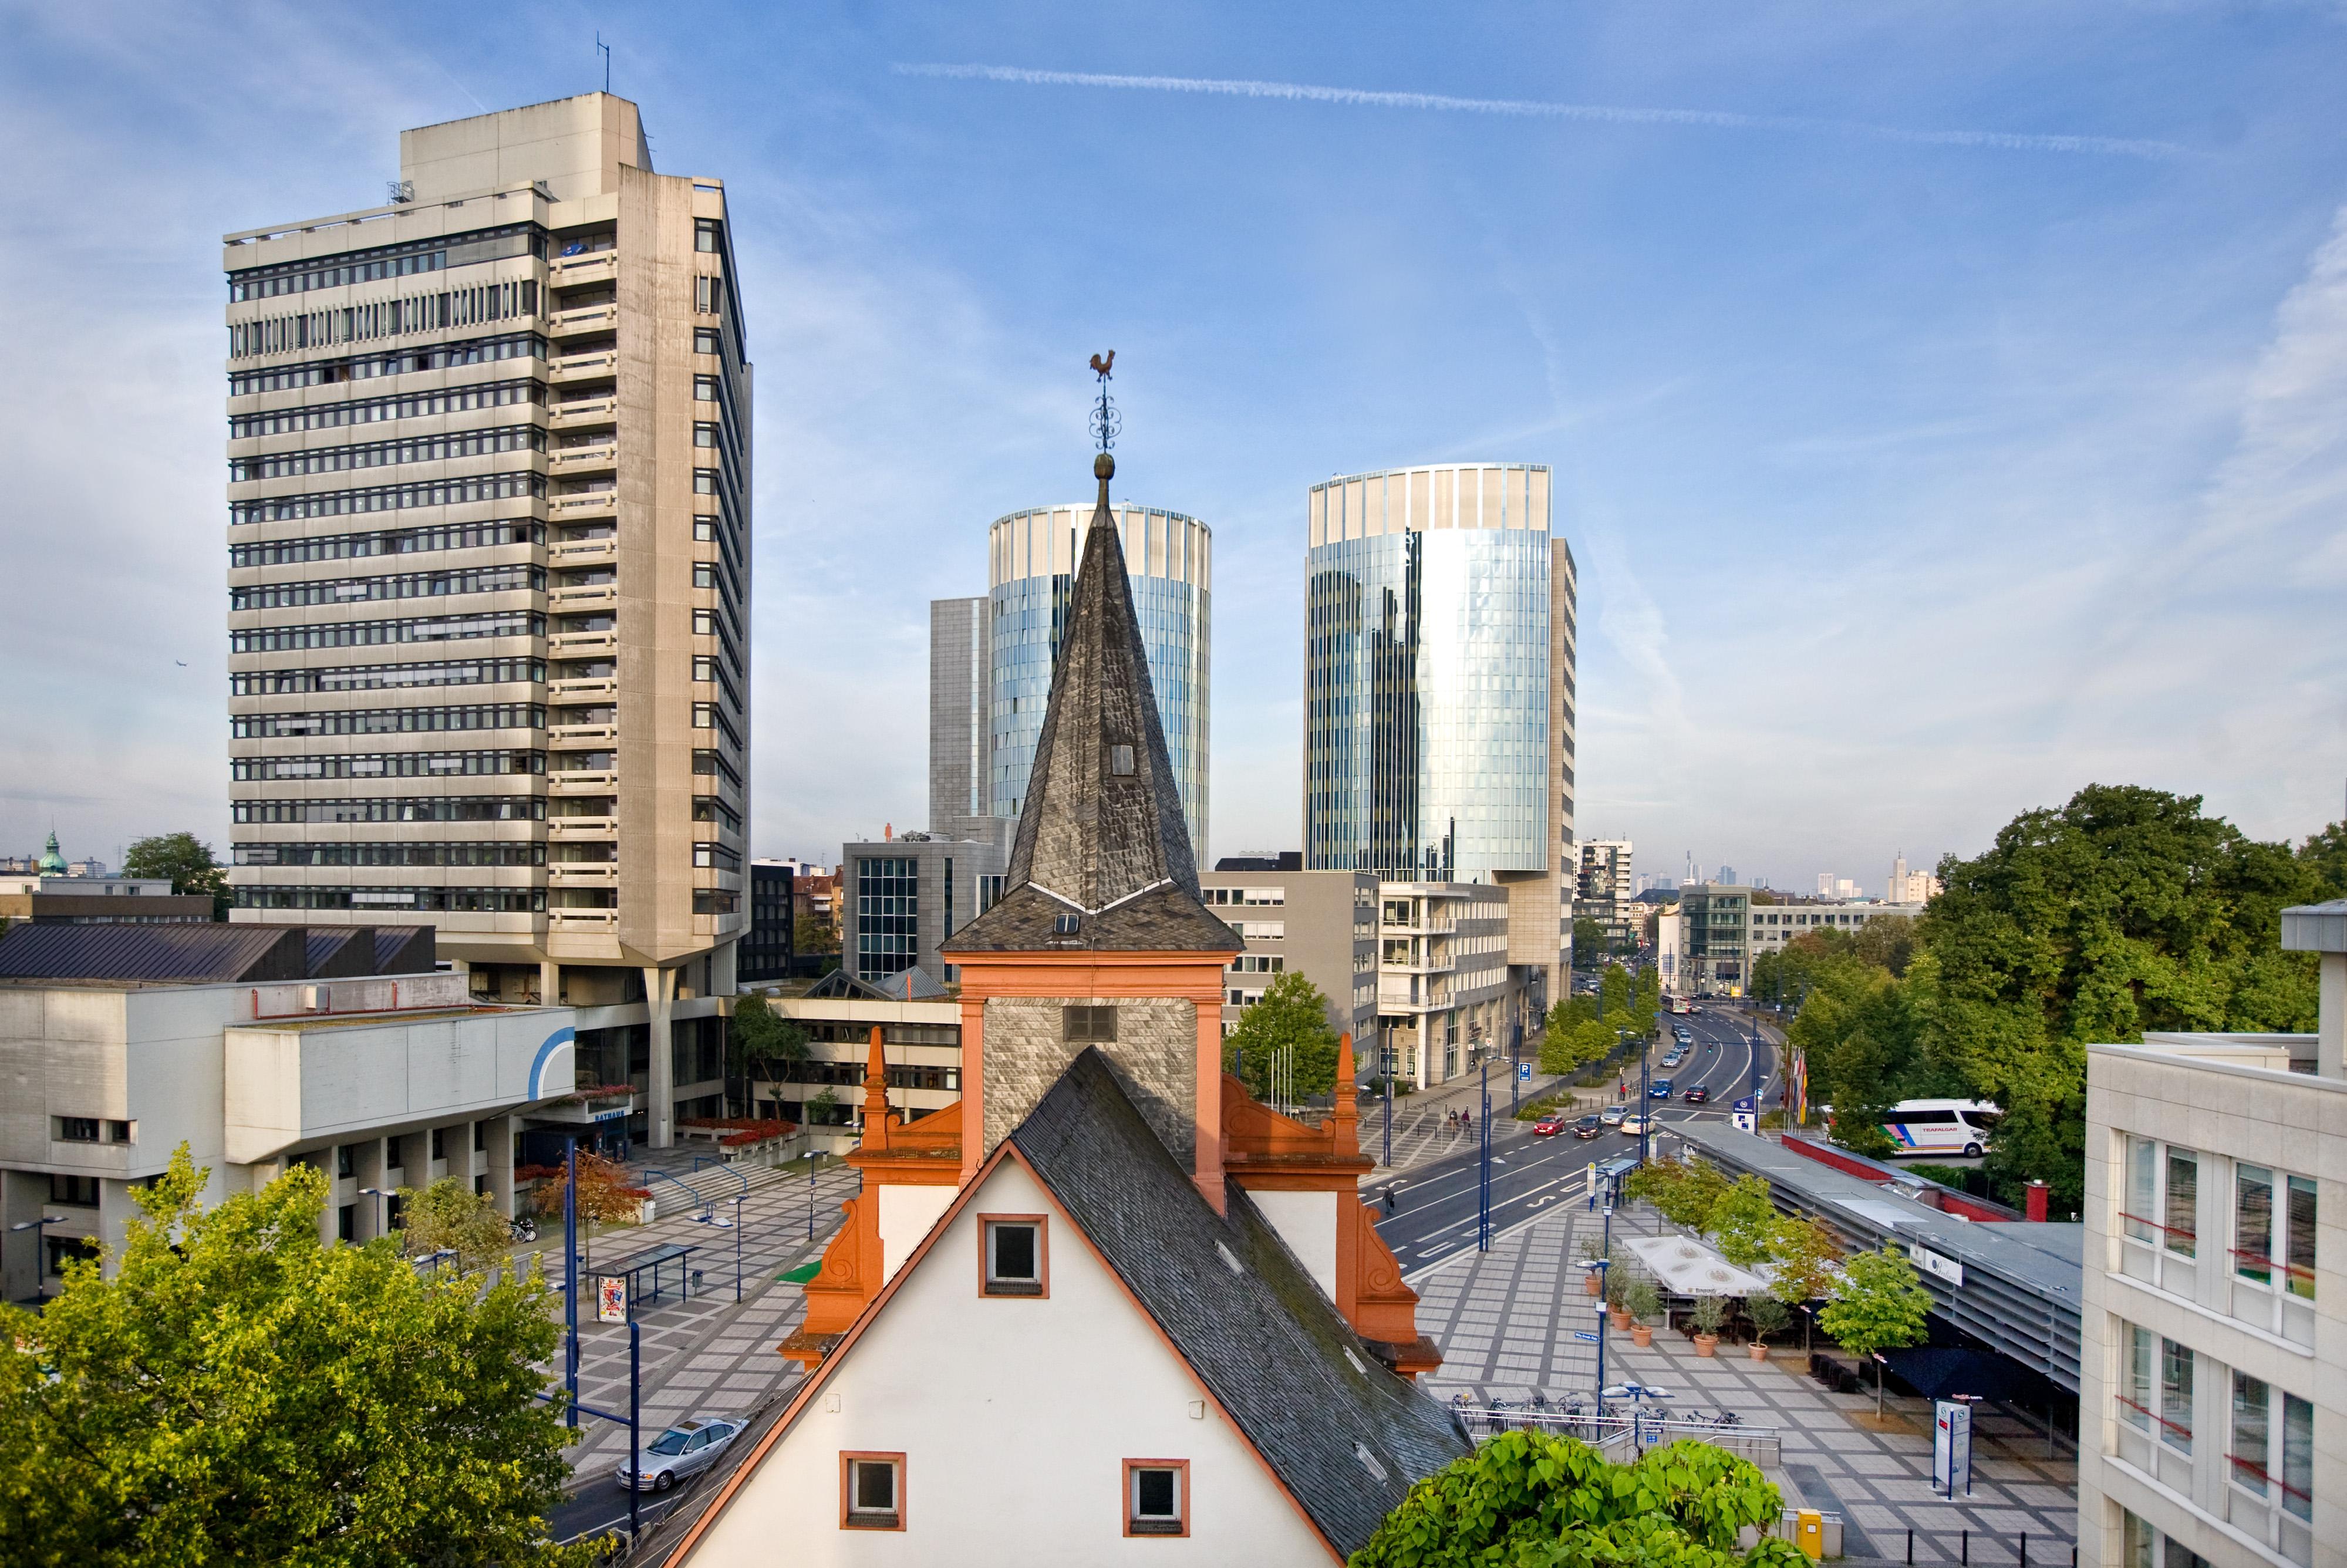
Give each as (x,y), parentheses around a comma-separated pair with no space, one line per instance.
(1434,1211)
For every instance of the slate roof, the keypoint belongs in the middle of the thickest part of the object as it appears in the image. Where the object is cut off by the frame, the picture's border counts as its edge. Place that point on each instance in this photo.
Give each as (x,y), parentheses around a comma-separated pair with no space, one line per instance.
(1265,1339)
(1108,846)
(210,951)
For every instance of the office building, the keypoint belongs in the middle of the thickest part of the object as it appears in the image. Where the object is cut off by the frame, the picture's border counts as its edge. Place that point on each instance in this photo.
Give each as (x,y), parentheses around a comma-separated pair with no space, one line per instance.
(488,576)
(1706,941)
(1836,887)
(1770,927)
(2213,1416)
(903,895)
(1910,887)
(1448,994)
(258,1047)
(766,951)
(825,1093)
(1031,562)
(1322,925)
(1440,692)
(1604,891)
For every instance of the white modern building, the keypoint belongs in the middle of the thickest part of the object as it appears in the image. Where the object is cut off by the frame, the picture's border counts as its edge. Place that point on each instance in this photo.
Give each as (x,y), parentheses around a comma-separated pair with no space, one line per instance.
(1774,924)
(2213,1393)
(1909,887)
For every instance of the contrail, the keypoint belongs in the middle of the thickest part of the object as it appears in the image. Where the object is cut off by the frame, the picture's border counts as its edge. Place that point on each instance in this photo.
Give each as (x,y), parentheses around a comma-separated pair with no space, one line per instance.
(1604,114)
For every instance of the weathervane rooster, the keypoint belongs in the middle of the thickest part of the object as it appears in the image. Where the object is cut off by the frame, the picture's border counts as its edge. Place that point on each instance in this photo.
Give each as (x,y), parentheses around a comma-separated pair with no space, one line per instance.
(1107,424)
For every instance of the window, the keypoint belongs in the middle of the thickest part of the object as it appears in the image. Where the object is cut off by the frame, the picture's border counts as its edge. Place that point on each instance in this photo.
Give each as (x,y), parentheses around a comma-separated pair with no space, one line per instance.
(704,530)
(705,435)
(2183,1197)
(704,340)
(346,1162)
(80,1192)
(706,238)
(75,1129)
(2176,1394)
(704,481)
(704,389)
(2160,1215)
(2278,1255)
(1088,1025)
(872,1492)
(1018,1257)
(1156,1497)
(1119,761)
(2135,1406)
(439,1142)
(2270,1467)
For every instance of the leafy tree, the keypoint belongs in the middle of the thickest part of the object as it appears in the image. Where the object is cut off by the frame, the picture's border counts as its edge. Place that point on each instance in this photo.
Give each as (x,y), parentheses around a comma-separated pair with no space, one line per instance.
(1590,945)
(1887,941)
(241,1392)
(1645,1001)
(449,1216)
(1529,1499)
(1614,990)
(605,1197)
(1768,1315)
(187,860)
(1686,1191)
(763,1038)
(813,934)
(1290,1016)
(2325,854)
(1880,1304)
(1806,1263)
(1574,1036)
(1743,1221)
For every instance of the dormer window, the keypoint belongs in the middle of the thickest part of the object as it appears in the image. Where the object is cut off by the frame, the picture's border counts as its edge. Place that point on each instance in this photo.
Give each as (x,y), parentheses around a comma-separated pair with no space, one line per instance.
(1119,761)
(1016,1261)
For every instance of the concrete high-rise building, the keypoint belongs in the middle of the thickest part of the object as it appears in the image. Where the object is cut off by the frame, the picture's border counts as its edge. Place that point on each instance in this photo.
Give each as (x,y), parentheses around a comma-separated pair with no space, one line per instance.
(1439,693)
(960,661)
(488,574)
(1910,887)
(1032,559)
(1605,887)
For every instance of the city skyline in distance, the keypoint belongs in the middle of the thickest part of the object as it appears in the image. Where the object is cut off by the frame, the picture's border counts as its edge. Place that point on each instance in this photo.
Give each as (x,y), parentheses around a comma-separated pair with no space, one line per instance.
(1906,497)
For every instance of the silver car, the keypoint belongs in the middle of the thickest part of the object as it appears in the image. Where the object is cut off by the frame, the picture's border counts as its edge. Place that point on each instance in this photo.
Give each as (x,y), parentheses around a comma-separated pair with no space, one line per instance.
(686,1448)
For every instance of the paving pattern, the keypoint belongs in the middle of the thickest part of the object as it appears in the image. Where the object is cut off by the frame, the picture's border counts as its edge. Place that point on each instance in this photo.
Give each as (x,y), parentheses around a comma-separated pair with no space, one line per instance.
(1505,1321)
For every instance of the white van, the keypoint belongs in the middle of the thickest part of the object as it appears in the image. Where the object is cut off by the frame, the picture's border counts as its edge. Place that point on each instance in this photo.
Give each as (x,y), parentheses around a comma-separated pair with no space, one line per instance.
(1942,1126)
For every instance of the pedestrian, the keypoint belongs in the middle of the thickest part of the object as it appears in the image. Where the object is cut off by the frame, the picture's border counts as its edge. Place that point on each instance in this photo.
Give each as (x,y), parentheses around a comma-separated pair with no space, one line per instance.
(1467,1118)
(1389,1200)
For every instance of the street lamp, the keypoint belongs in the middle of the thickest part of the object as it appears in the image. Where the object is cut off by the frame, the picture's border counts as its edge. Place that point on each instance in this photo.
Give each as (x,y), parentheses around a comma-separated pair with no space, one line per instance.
(382,1208)
(40,1262)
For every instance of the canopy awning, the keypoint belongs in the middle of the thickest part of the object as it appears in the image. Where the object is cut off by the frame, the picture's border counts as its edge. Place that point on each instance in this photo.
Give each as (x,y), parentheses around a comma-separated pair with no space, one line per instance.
(1685,1266)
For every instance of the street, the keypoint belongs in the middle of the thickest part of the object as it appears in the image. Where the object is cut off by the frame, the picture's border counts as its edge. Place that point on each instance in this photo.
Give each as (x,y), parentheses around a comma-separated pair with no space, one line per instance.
(1434,1213)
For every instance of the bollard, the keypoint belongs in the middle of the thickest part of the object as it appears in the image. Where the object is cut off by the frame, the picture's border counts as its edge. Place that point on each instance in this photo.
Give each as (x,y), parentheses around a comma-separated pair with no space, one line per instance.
(1966,1545)
(2025,1548)
(1910,1549)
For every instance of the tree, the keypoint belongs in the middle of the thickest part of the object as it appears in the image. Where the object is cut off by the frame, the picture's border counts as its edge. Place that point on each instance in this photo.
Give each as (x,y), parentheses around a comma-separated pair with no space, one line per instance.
(1686,1191)
(1529,1499)
(1880,1304)
(1574,1036)
(1743,1220)
(1645,1001)
(763,1038)
(449,1216)
(605,1197)
(813,934)
(241,1392)
(1590,945)
(187,860)
(1806,1263)
(1290,1017)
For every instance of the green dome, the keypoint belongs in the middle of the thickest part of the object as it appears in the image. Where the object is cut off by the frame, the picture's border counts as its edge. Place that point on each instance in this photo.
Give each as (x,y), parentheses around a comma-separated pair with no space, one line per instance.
(52,863)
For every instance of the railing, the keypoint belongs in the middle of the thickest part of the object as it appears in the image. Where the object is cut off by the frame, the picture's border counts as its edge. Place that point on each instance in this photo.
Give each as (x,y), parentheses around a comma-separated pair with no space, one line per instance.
(569,272)
(582,920)
(1621,1437)
(583,411)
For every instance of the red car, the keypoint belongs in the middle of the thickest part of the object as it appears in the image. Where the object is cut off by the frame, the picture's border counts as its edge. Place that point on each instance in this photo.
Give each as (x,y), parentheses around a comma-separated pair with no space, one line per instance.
(1548,1126)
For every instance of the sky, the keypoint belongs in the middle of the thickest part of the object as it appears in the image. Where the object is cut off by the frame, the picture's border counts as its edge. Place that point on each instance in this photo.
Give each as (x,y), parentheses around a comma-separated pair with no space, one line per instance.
(1948,402)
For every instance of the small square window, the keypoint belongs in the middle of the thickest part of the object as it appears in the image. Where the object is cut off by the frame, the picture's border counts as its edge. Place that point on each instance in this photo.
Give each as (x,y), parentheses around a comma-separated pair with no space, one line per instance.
(704,340)
(1119,761)
(1156,1497)
(1088,1025)
(1018,1260)
(77,1129)
(704,530)
(117,1131)
(872,1492)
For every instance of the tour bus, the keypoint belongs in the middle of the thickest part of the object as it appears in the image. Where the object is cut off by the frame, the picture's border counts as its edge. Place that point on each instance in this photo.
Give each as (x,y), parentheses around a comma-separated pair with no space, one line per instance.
(1942,1126)
(1681,1005)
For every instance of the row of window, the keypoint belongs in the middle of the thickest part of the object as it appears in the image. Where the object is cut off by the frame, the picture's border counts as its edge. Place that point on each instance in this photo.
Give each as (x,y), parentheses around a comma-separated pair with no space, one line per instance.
(1253,898)
(377,633)
(872,1494)
(2268,1435)
(710,857)
(389,454)
(386,542)
(391,720)
(385,677)
(714,623)
(391,498)
(2259,1267)
(366,367)
(522,853)
(397,317)
(709,716)
(711,764)
(388,765)
(1258,964)
(709,808)
(378,410)
(388,262)
(517,577)
(447,808)
(449,900)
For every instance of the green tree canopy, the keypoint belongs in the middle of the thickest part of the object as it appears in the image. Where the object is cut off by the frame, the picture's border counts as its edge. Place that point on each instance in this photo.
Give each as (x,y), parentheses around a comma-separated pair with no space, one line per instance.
(1879,1305)
(449,1216)
(1590,944)
(763,1038)
(1290,1016)
(1743,1221)
(187,860)
(241,1392)
(1528,1500)
(1686,1191)
(813,934)
(1806,1260)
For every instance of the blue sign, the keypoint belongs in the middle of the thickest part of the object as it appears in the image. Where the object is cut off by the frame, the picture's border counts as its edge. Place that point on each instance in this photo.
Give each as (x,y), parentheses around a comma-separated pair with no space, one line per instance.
(1745,1104)
(1584,1334)
(1523,1072)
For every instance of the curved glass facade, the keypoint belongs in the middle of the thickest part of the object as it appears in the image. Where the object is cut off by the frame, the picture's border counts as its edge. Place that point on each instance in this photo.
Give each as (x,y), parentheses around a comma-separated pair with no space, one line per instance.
(1431,744)
(1030,573)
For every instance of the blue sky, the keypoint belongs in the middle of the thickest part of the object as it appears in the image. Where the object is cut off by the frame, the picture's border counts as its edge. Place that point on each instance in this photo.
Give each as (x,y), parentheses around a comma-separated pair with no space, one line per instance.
(1916,479)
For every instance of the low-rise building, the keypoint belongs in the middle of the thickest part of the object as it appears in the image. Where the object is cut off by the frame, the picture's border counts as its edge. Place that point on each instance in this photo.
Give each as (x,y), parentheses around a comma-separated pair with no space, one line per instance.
(1319,924)
(2214,1409)
(256,1047)
(70,898)
(1773,925)
(904,896)
(920,1035)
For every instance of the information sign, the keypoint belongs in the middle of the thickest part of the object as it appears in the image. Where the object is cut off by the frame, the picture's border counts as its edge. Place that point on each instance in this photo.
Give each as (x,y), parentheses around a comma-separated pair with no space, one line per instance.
(611,1298)
(1952,1448)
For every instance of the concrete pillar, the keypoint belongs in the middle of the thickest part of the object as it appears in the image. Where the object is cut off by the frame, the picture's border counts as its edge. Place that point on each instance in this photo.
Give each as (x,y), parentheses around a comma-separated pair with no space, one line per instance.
(22,1194)
(500,1156)
(370,1162)
(660,1116)
(2331,1031)
(549,983)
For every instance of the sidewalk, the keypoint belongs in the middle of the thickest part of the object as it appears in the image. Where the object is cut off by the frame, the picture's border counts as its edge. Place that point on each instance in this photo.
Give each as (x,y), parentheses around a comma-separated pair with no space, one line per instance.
(1506,1319)
(1421,1132)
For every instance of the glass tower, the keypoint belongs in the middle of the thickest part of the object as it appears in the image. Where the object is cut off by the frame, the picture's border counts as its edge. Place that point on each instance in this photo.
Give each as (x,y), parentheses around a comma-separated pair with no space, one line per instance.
(1438,696)
(1032,558)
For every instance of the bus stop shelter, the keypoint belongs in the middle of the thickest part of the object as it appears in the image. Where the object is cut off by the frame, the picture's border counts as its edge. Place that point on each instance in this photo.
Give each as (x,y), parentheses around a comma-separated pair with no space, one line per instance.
(638,1270)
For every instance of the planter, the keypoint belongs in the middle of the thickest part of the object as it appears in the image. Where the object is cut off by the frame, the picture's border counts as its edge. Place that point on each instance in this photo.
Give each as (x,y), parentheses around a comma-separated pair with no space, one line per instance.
(1641,1335)
(1706,1344)
(1620,1321)
(1756,1351)
(1593,1284)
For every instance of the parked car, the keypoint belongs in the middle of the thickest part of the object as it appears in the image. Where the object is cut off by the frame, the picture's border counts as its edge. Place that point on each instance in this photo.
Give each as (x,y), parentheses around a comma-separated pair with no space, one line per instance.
(1548,1126)
(1588,1127)
(1697,1095)
(1659,1089)
(1611,1115)
(686,1448)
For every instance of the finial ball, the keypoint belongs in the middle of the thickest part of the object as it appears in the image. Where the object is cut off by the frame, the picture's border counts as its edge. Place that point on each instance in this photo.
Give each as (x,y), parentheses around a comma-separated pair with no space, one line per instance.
(1104,466)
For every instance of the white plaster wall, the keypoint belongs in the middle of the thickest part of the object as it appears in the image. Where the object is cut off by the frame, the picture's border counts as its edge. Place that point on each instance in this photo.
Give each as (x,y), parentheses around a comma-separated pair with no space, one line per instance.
(1015,1416)
(1307,1222)
(907,1215)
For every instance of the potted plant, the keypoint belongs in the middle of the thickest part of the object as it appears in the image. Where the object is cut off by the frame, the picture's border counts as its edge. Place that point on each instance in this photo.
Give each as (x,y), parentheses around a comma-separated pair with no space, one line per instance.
(1642,1301)
(1593,1280)
(1709,1313)
(1617,1294)
(1769,1315)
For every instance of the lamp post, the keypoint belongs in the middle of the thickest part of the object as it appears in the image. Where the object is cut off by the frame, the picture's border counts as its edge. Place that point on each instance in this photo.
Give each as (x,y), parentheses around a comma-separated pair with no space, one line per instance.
(1483,1173)
(40,1260)
(382,1208)
(1601,1263)
(1645,1116)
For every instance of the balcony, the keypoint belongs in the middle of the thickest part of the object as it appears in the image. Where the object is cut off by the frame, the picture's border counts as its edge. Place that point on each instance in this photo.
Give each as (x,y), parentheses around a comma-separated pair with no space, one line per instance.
(584,781)
(575,323)
(601,686)
(584,552)
(579,601)
(579,644)
(582,735)
(583,873)
(595,504)
(582,920)
(599,366)
(585,410)
(570,829)
(578,271)
(599,458)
